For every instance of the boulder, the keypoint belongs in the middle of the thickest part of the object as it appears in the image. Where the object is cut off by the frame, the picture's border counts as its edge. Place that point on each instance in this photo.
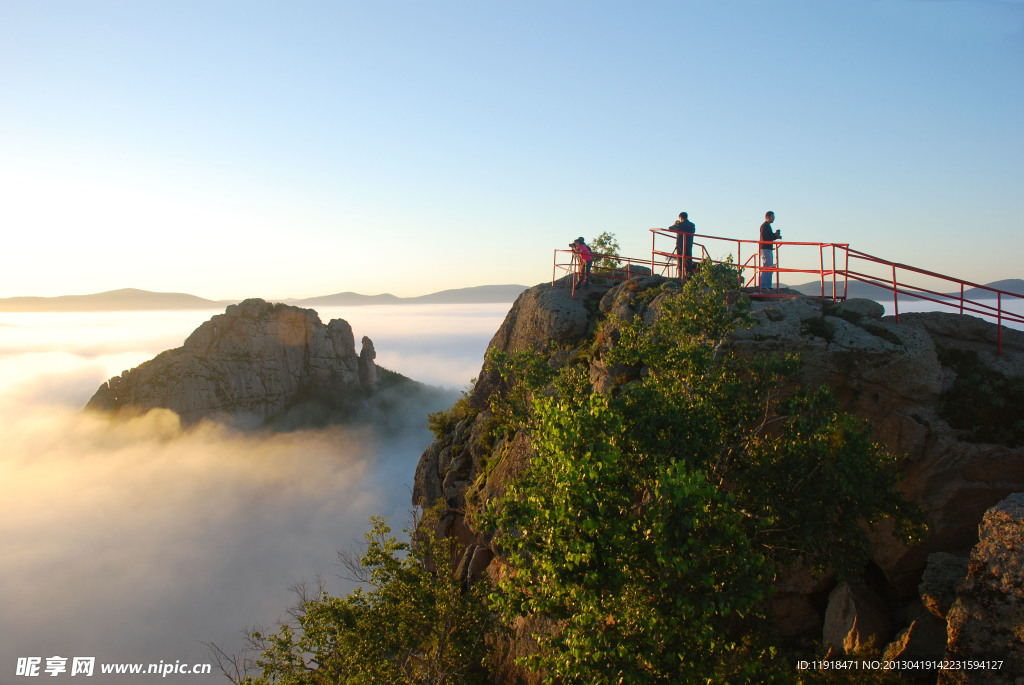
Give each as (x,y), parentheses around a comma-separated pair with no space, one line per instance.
(542,317)
(986,622)
(856,618)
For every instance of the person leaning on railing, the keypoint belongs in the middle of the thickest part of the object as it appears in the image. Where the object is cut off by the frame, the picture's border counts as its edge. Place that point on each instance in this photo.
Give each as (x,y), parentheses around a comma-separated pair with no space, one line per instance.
(768,236)
(586,261)
(684,230)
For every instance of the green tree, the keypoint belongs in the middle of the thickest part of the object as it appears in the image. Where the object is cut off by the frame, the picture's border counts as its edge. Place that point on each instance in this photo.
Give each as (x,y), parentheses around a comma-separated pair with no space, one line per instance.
(415,624)
(644,570)
(608,245)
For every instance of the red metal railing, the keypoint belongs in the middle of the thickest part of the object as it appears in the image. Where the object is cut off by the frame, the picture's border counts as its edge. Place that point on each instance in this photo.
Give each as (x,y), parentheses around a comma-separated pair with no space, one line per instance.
(624,267)
(837,265)
(893,272)
(733,250)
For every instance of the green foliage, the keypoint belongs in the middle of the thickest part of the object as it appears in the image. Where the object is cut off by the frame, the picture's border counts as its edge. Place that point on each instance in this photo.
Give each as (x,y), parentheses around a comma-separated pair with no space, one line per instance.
(414,624)
(650,524)
(816,481)
(985,404)
(644,568)
(819,327)
(444,421)
(605,244)
(524,372)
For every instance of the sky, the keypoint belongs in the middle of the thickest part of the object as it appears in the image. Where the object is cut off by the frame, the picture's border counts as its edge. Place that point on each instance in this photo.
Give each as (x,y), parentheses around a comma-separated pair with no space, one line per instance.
(261,149)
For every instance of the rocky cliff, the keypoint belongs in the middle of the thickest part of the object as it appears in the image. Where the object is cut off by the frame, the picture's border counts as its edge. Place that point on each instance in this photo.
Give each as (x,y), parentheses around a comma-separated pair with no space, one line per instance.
(912,380)
(256,364)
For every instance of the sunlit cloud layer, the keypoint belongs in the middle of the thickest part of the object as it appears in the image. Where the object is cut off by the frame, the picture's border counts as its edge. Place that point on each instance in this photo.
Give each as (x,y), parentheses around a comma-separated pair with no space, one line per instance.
(136,540)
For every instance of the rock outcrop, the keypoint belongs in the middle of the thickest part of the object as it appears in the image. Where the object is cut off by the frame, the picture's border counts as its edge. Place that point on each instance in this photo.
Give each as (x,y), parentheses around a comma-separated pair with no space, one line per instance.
(899,376)
(251,365)
(986,623)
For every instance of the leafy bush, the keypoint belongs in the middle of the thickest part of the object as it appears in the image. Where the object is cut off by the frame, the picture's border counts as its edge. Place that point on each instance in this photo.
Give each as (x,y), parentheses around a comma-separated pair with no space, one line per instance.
(444,421)
(415,624)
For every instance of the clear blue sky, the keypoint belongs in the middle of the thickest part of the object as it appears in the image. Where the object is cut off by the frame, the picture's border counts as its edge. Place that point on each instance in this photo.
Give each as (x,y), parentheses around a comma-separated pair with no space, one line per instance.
(233,149)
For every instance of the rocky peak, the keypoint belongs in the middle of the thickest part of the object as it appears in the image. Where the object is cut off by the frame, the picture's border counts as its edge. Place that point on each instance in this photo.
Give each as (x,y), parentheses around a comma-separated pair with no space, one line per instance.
(250,365)
(902,377)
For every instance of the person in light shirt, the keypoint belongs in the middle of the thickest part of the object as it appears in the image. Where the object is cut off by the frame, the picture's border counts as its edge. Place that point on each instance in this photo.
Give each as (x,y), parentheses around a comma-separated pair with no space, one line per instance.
(768,236)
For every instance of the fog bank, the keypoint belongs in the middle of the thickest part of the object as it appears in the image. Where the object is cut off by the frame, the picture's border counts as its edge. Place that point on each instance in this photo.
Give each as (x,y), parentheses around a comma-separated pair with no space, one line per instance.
(137,540)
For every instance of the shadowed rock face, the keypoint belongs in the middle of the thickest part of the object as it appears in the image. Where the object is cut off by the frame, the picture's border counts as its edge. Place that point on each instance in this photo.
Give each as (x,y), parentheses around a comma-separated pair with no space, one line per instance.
(248,365)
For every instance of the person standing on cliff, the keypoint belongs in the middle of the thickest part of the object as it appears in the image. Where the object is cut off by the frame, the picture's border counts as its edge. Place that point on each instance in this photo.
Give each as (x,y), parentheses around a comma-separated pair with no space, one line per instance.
(768,237)
(684,230)
(586,261)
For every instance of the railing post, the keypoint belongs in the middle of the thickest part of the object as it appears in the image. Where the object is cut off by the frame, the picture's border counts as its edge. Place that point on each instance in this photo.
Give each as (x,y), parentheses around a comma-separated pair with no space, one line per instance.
(895,295)
(821,272)
(739,260)
(835,284)
(999,322)
(846,275)
(777,266)
(654,236)
(961,297)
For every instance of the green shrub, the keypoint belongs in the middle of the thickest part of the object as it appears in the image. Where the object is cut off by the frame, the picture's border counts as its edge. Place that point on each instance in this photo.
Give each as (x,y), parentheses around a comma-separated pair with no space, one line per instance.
(987,405)
(414,624)
(650,524)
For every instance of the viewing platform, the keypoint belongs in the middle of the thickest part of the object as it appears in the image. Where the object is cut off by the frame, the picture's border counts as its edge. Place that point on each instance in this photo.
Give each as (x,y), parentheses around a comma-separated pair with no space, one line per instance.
(831,267)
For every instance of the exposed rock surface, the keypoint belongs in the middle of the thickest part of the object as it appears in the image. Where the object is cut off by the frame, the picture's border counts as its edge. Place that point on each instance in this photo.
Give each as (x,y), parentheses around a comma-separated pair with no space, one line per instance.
(856,618)
(249,365)
(941,580)
(986,622)
(895,375)
(923,640)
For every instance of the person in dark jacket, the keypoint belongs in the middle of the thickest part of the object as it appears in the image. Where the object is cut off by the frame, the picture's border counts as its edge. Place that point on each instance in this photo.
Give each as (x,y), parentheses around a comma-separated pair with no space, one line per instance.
(684,230)
(768,237)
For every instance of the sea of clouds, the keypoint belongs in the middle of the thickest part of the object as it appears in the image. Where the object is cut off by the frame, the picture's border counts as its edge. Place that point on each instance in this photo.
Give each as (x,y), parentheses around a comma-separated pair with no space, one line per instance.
(138,541)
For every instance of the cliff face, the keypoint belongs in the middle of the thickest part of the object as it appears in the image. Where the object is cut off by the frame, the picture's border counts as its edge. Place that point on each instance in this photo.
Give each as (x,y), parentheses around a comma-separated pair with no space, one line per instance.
(902,377)
(250,365)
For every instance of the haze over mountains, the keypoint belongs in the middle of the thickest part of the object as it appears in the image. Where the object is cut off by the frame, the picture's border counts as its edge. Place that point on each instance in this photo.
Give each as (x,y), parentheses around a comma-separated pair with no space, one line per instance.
(874,292)
(133,299)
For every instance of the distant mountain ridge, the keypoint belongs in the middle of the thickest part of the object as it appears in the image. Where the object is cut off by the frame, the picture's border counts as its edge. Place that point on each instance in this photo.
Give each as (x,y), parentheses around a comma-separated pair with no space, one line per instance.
(133,299)
(125,299)
(479,294)
(857,289)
